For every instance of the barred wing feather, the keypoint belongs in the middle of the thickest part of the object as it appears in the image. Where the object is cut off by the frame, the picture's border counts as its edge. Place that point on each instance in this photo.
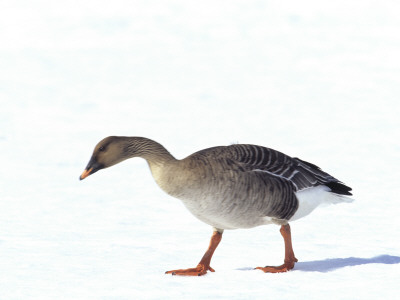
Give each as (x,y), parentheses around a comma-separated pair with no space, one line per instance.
(300,173)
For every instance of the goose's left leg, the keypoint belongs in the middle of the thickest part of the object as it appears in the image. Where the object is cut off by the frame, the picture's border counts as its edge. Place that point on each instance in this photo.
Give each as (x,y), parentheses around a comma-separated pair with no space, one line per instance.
(204,264)
(290,259)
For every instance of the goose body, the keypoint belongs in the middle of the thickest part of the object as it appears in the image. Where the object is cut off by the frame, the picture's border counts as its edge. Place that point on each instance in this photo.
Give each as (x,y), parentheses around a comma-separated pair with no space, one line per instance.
(230,187)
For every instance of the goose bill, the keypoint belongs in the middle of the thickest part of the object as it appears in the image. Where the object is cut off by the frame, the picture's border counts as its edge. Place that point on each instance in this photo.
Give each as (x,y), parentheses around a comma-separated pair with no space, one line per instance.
(86,173)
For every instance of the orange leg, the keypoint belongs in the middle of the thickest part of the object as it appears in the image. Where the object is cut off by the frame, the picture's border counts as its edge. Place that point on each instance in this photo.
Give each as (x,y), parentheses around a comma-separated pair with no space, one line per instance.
(204,264)
(290,259)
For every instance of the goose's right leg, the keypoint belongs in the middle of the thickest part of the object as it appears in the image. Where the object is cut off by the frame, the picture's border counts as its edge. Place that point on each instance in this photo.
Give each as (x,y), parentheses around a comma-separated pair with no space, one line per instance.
(290,259)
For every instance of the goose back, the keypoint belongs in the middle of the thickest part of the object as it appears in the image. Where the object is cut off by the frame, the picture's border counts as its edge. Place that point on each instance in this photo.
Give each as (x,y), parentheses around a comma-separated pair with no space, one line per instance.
(255,158)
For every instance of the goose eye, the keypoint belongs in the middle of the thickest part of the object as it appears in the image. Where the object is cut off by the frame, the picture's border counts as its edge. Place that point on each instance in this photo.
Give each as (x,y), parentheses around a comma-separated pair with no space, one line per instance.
(102,148)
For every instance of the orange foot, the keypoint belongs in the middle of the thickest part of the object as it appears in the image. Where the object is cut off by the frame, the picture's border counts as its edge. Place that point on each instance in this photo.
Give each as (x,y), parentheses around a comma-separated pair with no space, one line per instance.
(280,269)
(198,271)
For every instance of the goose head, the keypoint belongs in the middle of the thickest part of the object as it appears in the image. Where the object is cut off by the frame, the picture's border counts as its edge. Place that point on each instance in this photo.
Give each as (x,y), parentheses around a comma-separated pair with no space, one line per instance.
(107,153)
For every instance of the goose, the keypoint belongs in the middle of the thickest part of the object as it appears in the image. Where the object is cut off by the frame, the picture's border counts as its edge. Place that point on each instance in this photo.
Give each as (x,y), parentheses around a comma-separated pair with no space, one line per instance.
(230,187)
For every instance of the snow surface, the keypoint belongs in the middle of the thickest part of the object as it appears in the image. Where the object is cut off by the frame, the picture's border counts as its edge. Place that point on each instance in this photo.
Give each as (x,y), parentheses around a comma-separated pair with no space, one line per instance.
(319,80)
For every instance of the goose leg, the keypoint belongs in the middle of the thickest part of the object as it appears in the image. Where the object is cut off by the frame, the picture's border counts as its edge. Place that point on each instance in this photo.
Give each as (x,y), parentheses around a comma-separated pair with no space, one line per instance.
(290,259)
(204,264)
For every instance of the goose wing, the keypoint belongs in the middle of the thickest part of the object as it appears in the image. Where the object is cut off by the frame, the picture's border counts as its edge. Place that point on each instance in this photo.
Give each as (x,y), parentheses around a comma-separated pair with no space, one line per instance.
(300,173)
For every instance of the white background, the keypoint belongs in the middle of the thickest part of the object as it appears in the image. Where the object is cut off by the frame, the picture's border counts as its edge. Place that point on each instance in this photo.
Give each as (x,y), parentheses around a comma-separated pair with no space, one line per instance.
(315,79)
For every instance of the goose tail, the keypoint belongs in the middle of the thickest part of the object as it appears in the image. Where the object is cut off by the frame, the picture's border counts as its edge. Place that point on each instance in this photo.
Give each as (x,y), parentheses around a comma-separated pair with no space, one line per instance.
(311,198)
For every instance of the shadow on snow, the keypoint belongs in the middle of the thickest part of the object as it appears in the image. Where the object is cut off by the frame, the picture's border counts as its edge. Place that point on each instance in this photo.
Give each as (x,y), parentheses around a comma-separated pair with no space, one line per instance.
(331,264)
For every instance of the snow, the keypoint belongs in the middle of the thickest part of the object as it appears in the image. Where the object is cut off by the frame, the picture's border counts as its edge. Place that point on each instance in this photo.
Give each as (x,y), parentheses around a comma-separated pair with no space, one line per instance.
(314,79)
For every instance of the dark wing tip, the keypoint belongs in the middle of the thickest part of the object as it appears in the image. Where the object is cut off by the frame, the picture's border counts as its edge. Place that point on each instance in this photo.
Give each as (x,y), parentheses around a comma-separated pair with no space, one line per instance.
(339,188)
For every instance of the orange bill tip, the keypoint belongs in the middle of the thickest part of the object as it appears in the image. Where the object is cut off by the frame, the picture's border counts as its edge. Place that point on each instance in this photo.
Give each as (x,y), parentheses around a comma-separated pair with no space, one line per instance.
(85,174)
